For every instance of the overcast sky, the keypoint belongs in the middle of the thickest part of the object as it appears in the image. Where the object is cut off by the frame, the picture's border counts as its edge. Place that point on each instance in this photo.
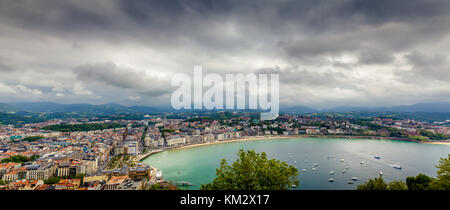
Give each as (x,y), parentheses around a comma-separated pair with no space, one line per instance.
(328,53)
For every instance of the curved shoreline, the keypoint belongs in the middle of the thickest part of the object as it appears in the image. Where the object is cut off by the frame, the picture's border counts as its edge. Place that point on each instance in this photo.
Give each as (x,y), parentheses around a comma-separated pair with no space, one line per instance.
(286,137)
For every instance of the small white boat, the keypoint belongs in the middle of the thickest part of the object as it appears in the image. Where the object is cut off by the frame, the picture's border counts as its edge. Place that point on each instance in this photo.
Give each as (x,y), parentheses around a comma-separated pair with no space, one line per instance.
(331,172)
(158,175)
(354,178)
(332,156)
(304,170)
(362,162)
(295,161)
(350,182)
(331,180)
(315,164)
(343,171)
(294,186)
(341,160)
(313,169)
(381,173)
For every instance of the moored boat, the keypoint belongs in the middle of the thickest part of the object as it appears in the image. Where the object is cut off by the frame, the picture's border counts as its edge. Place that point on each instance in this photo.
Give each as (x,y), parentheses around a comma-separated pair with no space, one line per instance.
(397,167)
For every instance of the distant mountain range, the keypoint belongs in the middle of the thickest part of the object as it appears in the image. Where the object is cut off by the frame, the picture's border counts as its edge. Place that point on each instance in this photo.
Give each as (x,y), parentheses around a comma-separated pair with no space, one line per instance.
(297,109)
(441,107)
(8,108)
(78,108)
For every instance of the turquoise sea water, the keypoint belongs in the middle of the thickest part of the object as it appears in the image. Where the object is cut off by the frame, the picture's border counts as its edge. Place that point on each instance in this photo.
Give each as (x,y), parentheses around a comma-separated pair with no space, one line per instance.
(198,164)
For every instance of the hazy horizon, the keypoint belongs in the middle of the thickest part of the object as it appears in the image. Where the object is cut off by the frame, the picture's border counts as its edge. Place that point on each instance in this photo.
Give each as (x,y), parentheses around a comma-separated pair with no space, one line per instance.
(284,107)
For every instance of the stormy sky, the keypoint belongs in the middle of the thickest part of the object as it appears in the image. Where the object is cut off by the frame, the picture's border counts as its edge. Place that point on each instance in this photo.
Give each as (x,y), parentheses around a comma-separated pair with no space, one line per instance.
(328,53)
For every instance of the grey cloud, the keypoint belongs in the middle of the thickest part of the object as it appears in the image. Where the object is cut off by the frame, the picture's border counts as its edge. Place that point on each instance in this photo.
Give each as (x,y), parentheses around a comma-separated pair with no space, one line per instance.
(369,43)
(310,13)
(375,57)
(56,14)
(436,65)
(123,77)
(301,77)
(5,68)
(46,39)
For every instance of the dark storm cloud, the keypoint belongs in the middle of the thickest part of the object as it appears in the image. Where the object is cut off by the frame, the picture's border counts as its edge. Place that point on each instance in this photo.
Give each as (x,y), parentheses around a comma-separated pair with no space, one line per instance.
(436,65)
(369,42)
(341,45)
(374,56)
(295,76)
(312,15)
(313,12)
(4,67)
(56,15)
(123,77)
(110,73)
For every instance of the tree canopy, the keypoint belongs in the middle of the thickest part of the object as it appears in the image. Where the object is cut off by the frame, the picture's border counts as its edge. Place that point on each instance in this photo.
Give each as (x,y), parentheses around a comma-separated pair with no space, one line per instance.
(442,181)
(32,138)
(253,171)
(420,182)
(397,185)
(83,127)
(373,184)
(19,159)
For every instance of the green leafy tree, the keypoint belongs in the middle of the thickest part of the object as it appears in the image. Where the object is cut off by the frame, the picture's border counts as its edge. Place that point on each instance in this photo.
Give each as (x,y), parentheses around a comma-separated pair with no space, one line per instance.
(420,182)
(397,185)
(442,181)
(52,180)
(19,159)
(83,127)
(373,184)
(253,171)
(32,138)
(161,187)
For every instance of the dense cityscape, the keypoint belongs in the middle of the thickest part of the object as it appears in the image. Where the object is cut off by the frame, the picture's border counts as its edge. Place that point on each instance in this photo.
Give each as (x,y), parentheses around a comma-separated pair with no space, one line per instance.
(105,154)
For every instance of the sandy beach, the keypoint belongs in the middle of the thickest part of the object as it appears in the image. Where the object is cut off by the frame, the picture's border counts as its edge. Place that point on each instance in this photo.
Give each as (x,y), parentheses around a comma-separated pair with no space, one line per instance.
(233,140)
(438,142)
(296,136)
